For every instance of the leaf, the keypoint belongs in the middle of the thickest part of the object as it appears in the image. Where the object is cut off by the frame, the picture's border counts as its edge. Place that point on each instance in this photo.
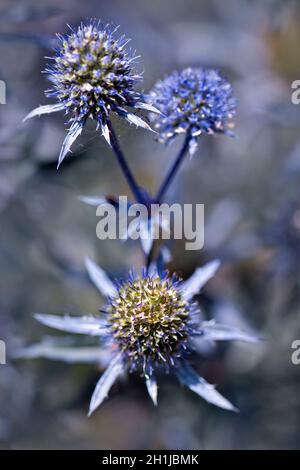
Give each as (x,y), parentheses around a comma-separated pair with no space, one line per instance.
(221,332)
(187,376)
(81,325)
(146,245)
(151,384)
(166,254)
(106,133)
(93,200)
(105,383)
(74,131)
(148,107)
(66,354)
(99,277)
(193,146)
(46,109)
(201,276)
(146,236)
(99,200)
(137,121)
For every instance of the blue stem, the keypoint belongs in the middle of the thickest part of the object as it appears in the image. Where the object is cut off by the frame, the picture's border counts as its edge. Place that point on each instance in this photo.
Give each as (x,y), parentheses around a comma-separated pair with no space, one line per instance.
(173,170)
(124,166)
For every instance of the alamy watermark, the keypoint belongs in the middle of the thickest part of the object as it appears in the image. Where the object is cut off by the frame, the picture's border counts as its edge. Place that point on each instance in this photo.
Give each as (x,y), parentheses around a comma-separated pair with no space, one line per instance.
(153,222)
(2,352)
(295,96)
(295,357)
(2,92)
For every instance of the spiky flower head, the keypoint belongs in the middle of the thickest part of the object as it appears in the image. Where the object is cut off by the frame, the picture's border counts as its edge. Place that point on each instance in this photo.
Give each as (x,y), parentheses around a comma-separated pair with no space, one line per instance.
(151,324)
(92,75)
(150,321)
(192,101)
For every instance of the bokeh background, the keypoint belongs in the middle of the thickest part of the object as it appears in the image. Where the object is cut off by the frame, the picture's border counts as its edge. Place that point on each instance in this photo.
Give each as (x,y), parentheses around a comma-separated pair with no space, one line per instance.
(250,188)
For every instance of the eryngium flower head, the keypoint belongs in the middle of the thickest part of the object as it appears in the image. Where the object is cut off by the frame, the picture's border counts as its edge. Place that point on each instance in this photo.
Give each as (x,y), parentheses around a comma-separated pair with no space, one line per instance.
(92,75)
(192,102)
(150,321)
(151,324)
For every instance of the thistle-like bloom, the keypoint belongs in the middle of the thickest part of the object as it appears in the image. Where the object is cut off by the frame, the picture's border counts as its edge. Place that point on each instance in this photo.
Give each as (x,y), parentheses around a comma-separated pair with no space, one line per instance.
(192,102)
(151,325)
(93,75)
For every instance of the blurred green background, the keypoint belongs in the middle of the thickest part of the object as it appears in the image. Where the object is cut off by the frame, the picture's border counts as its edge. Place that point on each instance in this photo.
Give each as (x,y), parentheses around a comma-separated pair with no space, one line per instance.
(250,188)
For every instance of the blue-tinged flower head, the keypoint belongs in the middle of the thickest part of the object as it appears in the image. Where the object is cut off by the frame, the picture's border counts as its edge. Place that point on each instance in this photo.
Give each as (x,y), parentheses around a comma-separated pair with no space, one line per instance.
(150,323)
(192,102)
(92,75)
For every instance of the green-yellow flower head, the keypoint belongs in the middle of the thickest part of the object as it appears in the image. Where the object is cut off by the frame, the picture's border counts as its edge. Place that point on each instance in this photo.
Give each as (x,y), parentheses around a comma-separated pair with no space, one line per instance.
(149,320)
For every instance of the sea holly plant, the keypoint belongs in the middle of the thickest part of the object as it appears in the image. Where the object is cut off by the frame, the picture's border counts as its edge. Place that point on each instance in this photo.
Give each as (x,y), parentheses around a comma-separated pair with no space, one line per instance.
(150,323)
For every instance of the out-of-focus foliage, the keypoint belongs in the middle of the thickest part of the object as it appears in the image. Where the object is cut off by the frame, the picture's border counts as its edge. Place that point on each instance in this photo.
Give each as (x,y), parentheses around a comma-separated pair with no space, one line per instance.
(250,188)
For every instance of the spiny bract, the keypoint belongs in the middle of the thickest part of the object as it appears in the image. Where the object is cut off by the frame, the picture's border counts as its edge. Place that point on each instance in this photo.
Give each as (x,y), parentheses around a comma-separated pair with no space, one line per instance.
(192,102)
